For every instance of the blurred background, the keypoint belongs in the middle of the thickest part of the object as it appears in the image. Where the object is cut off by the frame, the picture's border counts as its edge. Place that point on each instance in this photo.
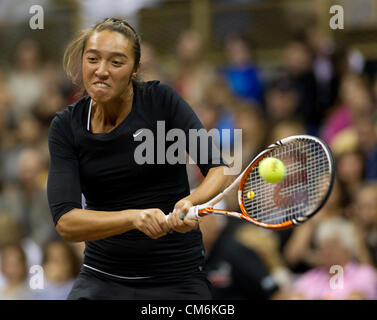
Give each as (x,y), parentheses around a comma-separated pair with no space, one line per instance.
(272,68)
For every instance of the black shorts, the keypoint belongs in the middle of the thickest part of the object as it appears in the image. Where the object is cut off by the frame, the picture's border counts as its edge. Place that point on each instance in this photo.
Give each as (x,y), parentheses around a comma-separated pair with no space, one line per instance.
(90,285)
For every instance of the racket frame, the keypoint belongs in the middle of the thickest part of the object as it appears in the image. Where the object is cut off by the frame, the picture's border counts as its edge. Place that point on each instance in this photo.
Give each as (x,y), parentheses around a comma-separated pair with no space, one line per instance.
(196,212)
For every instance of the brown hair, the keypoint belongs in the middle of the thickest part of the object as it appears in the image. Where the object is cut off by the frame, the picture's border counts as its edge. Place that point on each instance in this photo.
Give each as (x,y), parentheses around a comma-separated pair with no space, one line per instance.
(10,230)
(74,260)
(74,52)
(17,248)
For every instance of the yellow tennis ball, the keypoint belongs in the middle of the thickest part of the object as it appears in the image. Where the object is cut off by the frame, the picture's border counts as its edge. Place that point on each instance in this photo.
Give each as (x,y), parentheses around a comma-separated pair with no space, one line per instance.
(271,170)
(250,194)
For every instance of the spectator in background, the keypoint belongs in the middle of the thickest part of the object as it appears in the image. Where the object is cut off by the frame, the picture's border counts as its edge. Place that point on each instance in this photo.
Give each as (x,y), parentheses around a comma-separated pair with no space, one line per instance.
(266,245)
(7,139)
(324,69)
(27,134)
(298,67)
(209,114)
(234,270)
(11,233)
(227,113)
(29,131)
(14,270)
(361,134)
(364,214)
(354,102)
(2,201)
(220,97)
(285,129)
(193,73)
(61,266)
(150,69)
(46,108)
(53,96)
(337,245)
(241,73)
(281,101)
(299,250)
(27,198)
(25,82)
(374,90)
(220,109)
(350,167)
(253,126)
(366,133)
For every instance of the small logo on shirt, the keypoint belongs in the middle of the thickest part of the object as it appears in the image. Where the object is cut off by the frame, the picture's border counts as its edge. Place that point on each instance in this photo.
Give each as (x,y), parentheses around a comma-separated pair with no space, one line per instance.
(137,133)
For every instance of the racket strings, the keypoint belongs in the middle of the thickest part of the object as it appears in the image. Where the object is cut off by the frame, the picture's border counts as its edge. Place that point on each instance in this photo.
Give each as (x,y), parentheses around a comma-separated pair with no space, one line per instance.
(299,193)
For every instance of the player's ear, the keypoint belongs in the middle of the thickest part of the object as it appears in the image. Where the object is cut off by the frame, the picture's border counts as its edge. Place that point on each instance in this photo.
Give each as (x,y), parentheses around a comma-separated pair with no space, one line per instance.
(136,70)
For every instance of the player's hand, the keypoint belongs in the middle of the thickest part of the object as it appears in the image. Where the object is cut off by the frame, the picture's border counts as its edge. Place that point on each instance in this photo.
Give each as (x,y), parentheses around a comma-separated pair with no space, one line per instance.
(178,221)
(152,222)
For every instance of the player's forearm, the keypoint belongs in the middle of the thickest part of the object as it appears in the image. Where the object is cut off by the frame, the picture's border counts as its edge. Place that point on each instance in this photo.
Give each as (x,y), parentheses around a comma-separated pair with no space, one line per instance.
(213,183)
(88,225)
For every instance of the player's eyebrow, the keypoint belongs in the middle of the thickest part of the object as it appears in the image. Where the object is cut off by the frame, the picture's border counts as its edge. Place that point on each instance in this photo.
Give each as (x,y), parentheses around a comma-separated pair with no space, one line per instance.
(113,53)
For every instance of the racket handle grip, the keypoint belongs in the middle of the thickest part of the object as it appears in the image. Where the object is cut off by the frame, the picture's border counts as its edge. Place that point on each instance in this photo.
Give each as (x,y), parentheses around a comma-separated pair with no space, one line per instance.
(191,214)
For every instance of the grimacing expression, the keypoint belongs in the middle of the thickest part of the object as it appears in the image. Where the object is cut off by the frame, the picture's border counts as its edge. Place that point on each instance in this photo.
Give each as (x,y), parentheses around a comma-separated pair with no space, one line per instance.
(108,65)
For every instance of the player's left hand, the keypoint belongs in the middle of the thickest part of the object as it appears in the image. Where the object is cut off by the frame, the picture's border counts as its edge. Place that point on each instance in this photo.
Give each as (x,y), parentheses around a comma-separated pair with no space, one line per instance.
(178,220)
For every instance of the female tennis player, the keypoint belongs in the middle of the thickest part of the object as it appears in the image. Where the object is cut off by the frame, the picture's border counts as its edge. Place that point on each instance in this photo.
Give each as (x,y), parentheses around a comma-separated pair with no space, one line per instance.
(132,251)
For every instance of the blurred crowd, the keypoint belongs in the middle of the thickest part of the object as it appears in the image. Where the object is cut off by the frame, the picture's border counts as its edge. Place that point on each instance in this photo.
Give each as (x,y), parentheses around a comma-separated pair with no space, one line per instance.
(319,88)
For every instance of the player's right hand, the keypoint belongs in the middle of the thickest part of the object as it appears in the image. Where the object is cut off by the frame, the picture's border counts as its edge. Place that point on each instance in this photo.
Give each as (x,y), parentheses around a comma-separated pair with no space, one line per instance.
(152,222)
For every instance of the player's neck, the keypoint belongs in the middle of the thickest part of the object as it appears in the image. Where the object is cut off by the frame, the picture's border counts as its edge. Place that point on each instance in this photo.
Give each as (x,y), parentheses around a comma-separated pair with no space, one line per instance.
(111,113)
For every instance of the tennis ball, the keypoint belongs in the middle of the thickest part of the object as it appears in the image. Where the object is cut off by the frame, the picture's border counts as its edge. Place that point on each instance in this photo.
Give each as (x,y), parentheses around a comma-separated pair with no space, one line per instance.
(250,194)
(271,170)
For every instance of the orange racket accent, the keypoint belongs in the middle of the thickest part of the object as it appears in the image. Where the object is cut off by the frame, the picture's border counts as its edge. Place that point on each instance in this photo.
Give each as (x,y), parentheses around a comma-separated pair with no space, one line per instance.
(244,216)
(279,226)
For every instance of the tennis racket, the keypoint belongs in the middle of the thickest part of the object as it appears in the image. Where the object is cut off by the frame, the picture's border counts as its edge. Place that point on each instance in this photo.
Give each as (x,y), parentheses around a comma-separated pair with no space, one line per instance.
(302,192)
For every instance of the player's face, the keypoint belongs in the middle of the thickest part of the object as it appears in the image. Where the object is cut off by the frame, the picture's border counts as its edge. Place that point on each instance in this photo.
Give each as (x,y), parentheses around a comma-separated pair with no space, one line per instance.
(108,65)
